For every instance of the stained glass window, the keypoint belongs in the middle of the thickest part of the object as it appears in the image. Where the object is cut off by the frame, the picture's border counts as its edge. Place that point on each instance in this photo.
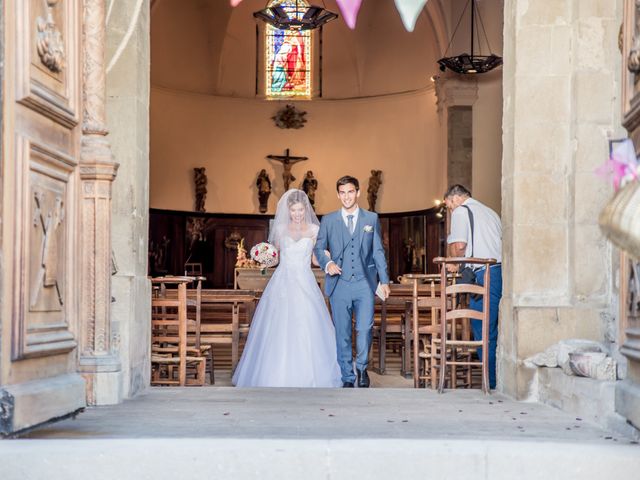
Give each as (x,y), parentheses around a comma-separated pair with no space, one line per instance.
(288,58)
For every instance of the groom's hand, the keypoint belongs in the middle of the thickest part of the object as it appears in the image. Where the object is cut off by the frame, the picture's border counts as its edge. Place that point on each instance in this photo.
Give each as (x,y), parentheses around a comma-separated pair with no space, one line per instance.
(386,290)
(333,269)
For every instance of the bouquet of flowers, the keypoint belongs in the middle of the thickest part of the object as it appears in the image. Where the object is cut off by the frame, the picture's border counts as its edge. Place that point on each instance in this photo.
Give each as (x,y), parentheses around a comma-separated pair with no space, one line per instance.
(265,254)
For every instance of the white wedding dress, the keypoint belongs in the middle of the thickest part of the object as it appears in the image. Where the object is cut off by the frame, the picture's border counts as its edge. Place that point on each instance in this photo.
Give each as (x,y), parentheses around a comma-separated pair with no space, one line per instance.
(292,340)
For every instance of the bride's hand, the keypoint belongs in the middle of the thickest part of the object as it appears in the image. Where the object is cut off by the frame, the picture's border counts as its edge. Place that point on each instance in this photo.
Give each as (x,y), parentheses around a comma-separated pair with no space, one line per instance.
(334,269)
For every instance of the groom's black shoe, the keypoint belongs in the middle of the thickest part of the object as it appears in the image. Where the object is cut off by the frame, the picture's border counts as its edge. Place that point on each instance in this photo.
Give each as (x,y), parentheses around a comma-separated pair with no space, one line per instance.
(363,378)
(347,384)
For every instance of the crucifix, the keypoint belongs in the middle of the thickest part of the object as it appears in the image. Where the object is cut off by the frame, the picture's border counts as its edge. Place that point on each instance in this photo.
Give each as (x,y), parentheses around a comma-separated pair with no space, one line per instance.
(287,161)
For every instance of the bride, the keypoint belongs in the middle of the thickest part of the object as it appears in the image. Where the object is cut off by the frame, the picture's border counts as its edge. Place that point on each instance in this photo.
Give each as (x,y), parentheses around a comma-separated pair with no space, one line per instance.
(292,341)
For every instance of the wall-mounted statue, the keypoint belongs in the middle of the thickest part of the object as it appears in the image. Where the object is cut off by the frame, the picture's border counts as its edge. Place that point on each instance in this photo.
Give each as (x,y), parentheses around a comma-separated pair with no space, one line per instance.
(200,179)
(264,190)
(309,186)
(290,117)
(375,180)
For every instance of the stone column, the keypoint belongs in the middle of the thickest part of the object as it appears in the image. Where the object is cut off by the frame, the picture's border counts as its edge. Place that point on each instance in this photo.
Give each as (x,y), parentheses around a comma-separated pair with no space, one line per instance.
(98,364)
(561,78)
(454,92)
(128,88)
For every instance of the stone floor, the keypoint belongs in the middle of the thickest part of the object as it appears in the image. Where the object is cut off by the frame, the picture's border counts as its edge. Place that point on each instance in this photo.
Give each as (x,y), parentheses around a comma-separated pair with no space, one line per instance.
(220,412)
(222,432)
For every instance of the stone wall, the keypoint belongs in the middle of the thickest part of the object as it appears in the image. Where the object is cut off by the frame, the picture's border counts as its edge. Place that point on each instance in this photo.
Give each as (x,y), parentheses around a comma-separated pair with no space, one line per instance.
(561,104)
(128,60)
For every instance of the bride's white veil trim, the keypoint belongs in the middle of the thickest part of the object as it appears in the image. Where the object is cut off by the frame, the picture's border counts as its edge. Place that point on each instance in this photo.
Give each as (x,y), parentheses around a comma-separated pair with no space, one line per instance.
(284,226)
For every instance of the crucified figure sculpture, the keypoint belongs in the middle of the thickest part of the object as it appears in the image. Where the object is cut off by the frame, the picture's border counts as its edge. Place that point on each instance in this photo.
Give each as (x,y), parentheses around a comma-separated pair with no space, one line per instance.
(287,161)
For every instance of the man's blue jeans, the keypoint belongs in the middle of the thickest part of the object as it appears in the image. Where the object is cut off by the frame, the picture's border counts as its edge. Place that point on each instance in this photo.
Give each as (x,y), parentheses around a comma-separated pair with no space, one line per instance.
(495,294)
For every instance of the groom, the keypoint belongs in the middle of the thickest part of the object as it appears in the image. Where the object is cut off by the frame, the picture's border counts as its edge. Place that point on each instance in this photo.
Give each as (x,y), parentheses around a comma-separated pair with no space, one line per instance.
(356,263)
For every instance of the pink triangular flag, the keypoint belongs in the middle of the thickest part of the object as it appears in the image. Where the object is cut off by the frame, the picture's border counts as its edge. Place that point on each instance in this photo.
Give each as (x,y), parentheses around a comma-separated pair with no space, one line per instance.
(409,11)
(349,9)
(622,164)
(235,3)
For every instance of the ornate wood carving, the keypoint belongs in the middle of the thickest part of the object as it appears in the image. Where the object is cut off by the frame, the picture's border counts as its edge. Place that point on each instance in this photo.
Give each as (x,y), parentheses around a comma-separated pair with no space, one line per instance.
(47,59)
(631,61)
(290,117)
(42,292)
(629,297)
(49,40)
(48,216)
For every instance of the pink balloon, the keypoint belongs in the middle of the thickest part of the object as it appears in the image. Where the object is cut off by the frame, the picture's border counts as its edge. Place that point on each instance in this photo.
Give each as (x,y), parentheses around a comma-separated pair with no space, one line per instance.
(349,9)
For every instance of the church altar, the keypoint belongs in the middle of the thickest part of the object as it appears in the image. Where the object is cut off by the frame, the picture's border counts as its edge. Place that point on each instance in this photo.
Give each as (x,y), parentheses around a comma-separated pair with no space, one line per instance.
(180,240)
(255,279)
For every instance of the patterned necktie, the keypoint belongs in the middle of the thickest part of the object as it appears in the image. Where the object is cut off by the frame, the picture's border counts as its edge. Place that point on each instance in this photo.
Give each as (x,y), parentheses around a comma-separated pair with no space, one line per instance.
(350,224)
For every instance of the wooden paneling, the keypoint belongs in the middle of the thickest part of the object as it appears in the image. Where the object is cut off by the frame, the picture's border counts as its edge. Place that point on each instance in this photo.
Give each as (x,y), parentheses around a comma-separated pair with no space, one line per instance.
(177,238)
(46,65)
(43,305)
(42,144)
(40,185)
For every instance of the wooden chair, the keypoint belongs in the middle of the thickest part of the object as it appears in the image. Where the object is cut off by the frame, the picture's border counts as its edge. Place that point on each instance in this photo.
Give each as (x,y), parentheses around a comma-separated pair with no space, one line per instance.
(198,343)
(450,349)
(169,350)
(424,326)
(399,310)
(388,329)
(194,329)
(226,317)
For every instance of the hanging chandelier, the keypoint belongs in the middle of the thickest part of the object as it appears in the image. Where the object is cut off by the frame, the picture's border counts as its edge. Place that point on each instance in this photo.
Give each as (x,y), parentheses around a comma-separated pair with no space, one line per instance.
(468,63)
(295,15)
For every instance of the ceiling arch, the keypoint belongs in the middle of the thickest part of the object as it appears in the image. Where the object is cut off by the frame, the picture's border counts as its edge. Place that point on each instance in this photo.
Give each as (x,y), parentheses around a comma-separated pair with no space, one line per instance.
(207,46)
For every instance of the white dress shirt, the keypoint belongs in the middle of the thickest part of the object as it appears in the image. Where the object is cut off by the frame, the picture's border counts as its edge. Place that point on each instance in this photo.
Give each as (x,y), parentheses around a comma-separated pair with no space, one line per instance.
(487,234)
(355,216)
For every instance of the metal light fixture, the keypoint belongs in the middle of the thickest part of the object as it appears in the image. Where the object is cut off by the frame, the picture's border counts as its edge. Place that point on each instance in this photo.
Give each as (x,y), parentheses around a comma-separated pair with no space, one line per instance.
(468,63)
(440,208)
(290,15)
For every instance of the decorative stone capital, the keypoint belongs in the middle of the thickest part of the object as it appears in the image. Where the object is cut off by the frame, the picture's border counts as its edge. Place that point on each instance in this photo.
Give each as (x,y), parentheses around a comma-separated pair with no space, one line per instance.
(105,171)
(455,91)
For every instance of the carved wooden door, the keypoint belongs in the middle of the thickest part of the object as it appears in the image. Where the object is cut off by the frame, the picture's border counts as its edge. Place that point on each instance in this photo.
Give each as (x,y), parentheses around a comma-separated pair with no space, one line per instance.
(41,116)
(628,391)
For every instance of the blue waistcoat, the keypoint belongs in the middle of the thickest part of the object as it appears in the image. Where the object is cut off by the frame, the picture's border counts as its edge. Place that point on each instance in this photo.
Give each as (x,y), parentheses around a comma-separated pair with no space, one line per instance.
(352,267)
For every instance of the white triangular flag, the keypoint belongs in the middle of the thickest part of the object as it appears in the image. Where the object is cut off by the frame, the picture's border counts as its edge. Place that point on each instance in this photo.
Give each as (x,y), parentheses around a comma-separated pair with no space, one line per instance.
(409,11)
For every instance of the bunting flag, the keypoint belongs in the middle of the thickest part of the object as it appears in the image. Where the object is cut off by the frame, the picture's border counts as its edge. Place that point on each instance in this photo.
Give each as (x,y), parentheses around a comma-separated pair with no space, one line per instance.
(349,9)
(622,165)
(409,11)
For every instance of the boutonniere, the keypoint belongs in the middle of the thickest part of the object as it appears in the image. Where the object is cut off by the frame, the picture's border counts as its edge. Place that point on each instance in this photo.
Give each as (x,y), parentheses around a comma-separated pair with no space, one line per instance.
(368,228)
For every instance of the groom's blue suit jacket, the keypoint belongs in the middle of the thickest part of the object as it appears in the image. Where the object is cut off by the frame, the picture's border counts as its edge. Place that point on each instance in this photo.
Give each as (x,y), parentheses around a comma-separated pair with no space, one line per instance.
(333,237)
